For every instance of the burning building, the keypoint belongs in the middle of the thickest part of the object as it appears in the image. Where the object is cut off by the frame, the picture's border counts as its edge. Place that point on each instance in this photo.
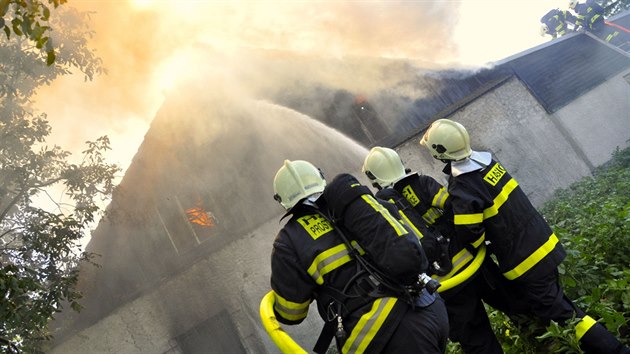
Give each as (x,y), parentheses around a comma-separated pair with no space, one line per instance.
(186,244)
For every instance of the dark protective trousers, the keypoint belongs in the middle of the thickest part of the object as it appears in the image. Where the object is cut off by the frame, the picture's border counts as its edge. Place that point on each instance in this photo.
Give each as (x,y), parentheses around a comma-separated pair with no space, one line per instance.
(612,35)
(469,324)
(548,302)
(468,319)
(422,330)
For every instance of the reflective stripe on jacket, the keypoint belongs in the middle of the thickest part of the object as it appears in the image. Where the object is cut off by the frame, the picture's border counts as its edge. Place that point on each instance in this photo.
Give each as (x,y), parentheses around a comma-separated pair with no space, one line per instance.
(557,20)
(488,204)
(590,15)
(428,198)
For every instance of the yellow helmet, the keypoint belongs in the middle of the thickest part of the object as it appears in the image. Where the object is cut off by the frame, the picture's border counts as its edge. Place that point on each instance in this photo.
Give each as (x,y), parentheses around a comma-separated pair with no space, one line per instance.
(544,29)
(297,180)
(383,166)
(447,140)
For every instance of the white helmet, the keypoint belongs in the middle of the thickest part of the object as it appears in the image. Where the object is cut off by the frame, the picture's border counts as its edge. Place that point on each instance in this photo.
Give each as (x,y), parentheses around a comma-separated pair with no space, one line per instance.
(572,4)
(296,180)
(383,166)
(447,140)
(544,29)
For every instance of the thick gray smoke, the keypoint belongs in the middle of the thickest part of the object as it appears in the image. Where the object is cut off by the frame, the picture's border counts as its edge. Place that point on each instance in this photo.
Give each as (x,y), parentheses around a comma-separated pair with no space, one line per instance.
(219,150)
(147,46)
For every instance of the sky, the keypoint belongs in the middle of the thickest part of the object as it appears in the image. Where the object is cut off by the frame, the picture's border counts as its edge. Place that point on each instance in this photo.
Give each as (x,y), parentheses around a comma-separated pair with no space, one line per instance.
(146,45)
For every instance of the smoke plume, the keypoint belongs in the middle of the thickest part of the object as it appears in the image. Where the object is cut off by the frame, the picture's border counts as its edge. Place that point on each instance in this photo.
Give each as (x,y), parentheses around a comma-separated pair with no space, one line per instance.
(147,46)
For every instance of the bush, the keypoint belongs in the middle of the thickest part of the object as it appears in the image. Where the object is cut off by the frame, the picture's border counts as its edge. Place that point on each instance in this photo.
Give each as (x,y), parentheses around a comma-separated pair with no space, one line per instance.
(592,217)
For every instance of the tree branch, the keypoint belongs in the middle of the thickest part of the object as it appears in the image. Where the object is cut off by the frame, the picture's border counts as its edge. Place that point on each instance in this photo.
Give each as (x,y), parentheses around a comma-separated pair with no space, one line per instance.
(11,204)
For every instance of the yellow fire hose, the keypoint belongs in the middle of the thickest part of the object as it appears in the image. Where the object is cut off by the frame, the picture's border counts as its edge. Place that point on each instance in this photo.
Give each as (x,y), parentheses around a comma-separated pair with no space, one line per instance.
(460,277)
(281,338)
(286,344)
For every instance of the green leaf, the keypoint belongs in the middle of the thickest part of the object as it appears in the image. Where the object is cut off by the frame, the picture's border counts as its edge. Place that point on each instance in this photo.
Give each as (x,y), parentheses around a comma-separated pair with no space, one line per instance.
(26,26)
(46,12)
(16,26)
(37,33)
(76,306)
(50,57)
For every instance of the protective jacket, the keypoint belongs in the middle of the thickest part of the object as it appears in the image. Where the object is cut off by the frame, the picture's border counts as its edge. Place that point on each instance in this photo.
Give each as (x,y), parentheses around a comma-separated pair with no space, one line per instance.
(489,205)
(590,15)
(468,320)
(431,200)
(310,261)
(557,22)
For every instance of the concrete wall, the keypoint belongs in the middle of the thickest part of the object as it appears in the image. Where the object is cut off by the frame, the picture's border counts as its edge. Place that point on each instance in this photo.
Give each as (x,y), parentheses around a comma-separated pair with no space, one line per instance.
(599,120)
(543,152)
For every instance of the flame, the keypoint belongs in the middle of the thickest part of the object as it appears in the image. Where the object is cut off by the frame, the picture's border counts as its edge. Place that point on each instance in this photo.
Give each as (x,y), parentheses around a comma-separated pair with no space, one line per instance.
(359,99)
(198,215)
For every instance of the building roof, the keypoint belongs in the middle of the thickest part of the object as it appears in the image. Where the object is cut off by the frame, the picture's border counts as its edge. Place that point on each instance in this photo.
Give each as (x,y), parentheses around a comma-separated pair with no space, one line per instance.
(556,73)
(559,73)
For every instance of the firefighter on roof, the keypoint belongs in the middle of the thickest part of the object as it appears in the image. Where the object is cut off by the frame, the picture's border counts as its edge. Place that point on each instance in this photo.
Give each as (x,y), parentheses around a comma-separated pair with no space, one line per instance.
(557,23)
(424,201)
(590,16)
(345,250)
(489,206)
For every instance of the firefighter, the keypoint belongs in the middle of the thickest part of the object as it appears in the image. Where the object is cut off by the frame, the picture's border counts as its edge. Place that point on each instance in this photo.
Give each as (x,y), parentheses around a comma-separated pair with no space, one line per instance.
(590,16)
(556,23)
(345,250)
(424,201)
(490,206)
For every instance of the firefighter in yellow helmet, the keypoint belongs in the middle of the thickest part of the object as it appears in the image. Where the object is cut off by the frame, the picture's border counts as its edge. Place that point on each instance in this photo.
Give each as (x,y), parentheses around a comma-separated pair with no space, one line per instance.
(557,23)
(590,16)
(424,203)
(345,250)
(490,206)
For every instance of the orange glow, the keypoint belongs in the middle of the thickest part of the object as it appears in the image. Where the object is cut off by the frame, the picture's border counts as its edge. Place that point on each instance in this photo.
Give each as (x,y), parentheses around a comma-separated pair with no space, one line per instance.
(198,215)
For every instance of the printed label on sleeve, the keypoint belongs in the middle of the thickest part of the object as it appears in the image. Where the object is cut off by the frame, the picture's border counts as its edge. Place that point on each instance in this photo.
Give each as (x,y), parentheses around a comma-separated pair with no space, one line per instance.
(494,175)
